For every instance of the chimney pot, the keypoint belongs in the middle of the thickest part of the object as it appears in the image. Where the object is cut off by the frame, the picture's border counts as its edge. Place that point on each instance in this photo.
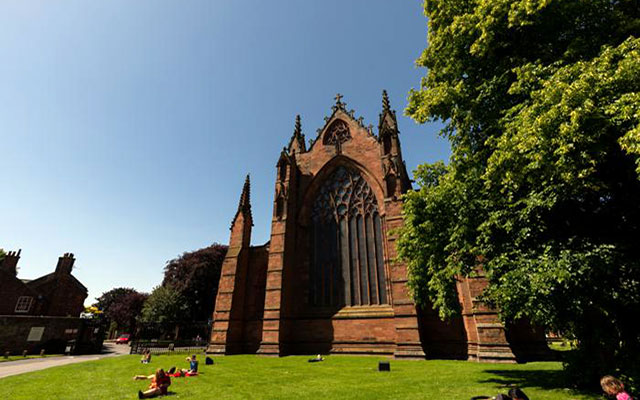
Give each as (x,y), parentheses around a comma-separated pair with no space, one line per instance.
(10,263)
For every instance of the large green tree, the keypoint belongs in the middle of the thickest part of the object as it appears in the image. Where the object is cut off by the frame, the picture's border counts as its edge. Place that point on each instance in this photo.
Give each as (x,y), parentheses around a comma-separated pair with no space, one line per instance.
(540,101)
(164,307)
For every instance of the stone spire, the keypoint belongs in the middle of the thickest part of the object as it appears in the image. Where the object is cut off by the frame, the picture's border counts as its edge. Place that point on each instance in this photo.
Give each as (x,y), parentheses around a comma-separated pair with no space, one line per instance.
(244,205)
(385,102)
(297,143)
(245,198)
(387,116)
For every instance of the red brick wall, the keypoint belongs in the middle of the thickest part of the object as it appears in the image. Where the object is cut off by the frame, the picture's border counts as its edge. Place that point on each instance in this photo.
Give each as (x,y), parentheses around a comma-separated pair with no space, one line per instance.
(291,325)
(12,288)
(286,323)
(61,296)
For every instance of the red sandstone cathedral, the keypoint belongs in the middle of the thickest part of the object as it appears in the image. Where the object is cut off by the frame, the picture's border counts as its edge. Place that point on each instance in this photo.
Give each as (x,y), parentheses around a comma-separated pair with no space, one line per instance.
(328,281)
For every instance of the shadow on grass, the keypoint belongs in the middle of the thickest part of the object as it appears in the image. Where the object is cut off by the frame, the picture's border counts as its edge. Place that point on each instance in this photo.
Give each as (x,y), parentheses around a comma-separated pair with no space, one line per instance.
(539,379)
(543,379)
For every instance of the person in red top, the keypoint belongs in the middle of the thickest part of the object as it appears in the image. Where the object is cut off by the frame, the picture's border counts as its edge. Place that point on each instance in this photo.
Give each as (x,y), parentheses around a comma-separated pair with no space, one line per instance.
(160,382)
(613,387)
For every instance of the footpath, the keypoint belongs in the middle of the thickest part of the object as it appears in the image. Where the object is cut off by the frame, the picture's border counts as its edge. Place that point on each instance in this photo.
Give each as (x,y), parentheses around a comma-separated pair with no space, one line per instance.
(35,364)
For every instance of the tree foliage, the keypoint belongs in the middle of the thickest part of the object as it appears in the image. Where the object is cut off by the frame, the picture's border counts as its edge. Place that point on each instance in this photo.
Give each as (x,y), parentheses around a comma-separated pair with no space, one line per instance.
(195,275)
(541,105)
(127,309)
(110,297)
(165,306)
(121,305)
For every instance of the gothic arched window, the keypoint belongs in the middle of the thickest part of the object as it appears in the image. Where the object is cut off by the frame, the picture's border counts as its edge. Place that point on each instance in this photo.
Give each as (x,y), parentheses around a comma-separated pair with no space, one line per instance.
(347,264)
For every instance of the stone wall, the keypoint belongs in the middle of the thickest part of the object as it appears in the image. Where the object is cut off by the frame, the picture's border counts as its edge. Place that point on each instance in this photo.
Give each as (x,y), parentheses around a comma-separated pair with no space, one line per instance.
(56,333)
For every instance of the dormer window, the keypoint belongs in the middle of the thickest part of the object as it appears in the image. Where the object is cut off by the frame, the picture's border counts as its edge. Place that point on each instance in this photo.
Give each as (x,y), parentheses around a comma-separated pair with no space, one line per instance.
(24,304)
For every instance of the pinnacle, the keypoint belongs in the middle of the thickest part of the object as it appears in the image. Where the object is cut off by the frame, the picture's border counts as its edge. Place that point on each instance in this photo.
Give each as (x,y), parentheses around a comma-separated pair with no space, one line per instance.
(245,197)
(244,206)
(385,102)
(296,144)
(298,129)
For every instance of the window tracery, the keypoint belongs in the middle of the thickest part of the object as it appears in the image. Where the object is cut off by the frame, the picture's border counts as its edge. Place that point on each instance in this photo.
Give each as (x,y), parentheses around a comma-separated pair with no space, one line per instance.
(347,265)
(337,133)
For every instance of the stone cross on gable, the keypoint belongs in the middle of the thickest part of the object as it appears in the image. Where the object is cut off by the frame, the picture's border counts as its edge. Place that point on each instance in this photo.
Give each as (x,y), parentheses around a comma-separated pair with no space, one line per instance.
(338,98)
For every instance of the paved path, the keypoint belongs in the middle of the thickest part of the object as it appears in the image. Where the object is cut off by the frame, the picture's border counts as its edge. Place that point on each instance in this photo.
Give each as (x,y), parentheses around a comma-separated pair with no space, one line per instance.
(35,364)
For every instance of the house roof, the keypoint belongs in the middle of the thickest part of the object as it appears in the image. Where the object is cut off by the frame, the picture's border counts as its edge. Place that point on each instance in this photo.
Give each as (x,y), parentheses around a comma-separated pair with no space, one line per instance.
(52,276)
(6,277)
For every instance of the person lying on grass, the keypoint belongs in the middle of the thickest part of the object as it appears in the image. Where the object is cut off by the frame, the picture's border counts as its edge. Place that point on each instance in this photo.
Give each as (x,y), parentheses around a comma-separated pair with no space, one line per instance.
(192,371)
(160,383)
(514,394)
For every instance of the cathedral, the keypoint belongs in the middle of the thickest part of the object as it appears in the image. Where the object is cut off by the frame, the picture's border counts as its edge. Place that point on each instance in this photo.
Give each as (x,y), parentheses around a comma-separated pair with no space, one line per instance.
(328,281)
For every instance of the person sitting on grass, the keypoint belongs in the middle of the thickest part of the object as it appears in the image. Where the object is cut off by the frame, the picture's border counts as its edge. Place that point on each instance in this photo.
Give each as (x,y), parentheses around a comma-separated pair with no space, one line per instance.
(193,364)
(146,357)
(613,387)
(159,386)
(192,371)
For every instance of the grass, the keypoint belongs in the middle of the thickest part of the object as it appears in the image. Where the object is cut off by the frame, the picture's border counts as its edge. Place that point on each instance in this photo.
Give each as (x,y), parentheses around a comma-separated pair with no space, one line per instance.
(254,377)
(16,358)
(564,345)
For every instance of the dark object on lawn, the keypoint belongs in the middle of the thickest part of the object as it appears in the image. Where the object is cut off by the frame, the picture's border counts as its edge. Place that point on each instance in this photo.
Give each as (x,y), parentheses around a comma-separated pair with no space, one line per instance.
(480,397)
(516,393)
(317,358)
(503,397)
(384,366)
(208,361)
(171,370)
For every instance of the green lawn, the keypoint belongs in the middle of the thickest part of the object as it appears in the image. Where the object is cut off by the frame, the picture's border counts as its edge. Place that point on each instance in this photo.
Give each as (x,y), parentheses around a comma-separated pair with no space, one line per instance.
(253,377)
(565,345)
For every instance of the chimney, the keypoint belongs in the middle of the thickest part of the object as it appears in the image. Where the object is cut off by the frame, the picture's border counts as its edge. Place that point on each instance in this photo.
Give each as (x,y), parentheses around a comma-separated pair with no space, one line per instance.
(10,262)
(65,264)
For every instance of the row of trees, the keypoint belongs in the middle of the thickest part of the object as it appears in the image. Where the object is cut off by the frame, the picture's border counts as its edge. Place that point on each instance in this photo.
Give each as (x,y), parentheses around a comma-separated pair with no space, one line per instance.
(187,293)
(540,101)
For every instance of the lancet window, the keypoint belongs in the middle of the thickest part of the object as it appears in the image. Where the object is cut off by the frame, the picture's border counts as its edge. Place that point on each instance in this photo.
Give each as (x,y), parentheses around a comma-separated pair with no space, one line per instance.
(347,266)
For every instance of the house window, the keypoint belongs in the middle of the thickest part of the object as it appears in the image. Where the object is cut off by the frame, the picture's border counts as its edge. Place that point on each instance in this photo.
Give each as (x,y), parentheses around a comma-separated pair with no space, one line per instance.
(24,304)
(346,240)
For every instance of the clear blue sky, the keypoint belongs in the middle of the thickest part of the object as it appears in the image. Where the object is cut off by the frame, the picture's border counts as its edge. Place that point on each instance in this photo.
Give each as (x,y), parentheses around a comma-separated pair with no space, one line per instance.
(127,127)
